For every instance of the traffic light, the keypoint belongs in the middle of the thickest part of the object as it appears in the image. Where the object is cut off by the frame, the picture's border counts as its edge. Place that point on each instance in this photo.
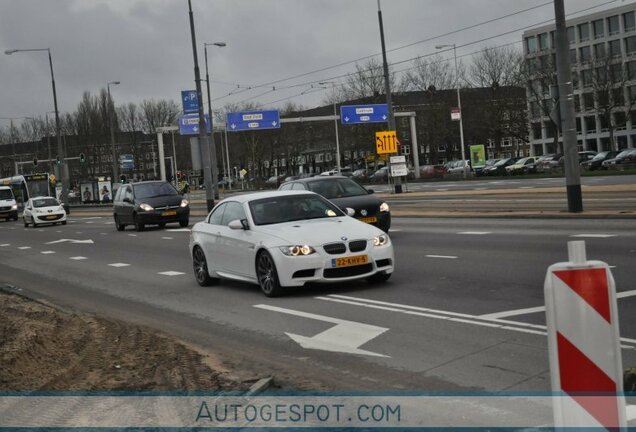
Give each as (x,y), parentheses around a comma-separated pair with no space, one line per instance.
(35,162)
(57,160)
(82,158)
(122,178)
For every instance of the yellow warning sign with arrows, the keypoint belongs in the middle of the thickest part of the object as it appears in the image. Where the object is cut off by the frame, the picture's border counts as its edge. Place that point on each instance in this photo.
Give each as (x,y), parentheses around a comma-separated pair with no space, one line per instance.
(386,142)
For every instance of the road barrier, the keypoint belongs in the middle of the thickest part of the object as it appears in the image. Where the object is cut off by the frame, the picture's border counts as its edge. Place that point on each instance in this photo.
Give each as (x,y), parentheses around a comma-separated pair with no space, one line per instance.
(583,342)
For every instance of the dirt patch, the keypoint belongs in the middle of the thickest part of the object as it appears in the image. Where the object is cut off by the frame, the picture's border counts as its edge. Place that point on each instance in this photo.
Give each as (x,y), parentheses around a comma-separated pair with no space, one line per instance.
(44,348)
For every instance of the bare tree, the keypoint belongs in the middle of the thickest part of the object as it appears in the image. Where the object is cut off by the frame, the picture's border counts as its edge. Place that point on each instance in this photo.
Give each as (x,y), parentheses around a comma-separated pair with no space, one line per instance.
(430,73)
(499,66)
(368,81)
(609,76)
(157,113)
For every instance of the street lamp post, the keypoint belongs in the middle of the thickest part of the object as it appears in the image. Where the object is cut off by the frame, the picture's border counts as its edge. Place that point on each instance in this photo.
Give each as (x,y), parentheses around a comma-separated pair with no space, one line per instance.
(459,104)
(211,135)
(335,123)
(112,133)
(60,147)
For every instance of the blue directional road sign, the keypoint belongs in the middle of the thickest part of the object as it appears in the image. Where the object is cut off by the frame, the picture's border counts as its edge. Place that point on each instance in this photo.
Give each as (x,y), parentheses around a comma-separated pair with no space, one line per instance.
(375,113)
(190,101)
(242,121)
(126,161)
(189,124)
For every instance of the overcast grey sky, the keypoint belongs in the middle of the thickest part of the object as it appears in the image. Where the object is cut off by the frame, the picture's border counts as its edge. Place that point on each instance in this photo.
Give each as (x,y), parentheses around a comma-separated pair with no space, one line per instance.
(146,44)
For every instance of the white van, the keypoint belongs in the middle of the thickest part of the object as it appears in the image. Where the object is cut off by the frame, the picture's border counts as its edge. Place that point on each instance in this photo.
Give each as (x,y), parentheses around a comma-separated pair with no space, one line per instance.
(8,206)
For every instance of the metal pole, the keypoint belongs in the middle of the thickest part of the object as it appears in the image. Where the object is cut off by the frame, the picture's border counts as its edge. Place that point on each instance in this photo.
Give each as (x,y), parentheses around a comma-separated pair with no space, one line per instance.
(227,153)
(414,148)
(387,89)
(213,161)
(13,155)
(60,147)
(174,155)
(335,125)
(48,141)
(112,135)
(461,114)
(203,138)
(566,102)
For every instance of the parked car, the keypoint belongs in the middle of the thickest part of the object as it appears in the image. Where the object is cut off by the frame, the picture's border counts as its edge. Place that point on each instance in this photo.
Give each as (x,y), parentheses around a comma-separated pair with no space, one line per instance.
(8,205)
(457,168)
(499,168)
(586,155)
(284,239)
(626,157)
(480,171)
(549,162)
(149,203)
(345,192)
(523,166)
(43,210)
(380,176)
(361,175)
(432,171)
(597,161)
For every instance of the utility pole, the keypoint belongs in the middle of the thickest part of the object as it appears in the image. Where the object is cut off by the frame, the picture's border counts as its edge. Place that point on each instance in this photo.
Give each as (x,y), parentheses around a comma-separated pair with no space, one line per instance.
(387,90)
(566,103)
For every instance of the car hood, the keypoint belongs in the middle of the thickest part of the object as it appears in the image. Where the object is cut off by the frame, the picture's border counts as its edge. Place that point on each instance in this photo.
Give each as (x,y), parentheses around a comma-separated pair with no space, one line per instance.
(47,209)
(368,202)
(316,232)
(164,200)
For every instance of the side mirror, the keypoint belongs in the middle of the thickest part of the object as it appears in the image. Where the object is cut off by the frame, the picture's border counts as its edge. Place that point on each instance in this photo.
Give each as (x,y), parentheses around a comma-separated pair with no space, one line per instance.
(127,200)
(350,211)
(370,191)
(238,224)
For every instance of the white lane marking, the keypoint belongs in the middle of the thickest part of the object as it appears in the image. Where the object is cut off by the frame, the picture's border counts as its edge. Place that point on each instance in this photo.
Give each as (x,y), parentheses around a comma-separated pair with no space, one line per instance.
(179,229)
(474,232)
(171,273)
(345,336)
(58,231)
(89,222)
(119,265)
(40,230)
(78,232)
(451,316)
(166,238)
(91,217)
(89,241)
(109,223)
(24,247)
(132,235)
(594,235)
(78,258)
(526,187)
(531,310)
(103,234)
(441,256)
(395,230)
(5,244)
(47,252)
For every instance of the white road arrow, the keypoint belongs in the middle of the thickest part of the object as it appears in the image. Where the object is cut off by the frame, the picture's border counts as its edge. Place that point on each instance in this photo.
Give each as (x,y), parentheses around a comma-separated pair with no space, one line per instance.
(346,119)
(233,126)
(89,241)
(345,337)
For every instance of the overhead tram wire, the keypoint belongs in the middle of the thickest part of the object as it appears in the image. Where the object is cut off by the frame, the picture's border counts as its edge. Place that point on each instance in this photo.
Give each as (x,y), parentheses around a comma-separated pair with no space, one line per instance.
(412,44)
(430,54)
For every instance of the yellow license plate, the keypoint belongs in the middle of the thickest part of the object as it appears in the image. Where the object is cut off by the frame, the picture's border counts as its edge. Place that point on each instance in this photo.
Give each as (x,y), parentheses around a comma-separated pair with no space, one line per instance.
(349,261)
(51,217)
(370,219)
(169,213)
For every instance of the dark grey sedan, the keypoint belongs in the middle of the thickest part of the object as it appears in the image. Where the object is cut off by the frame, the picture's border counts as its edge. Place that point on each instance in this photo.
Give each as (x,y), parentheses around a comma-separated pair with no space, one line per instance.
(345,192)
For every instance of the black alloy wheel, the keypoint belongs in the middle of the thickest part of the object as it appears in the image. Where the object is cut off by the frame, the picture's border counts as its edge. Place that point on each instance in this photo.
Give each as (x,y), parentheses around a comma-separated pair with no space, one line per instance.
(267,275)
(184,223)
(138,225)
(120,226)
(200,267)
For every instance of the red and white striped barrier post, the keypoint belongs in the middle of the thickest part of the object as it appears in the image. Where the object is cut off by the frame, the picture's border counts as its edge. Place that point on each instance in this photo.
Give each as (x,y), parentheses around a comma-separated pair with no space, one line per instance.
(584,343)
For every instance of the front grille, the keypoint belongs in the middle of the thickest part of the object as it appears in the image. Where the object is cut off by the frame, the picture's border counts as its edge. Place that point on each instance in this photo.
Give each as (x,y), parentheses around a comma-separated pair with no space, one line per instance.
(167,207)
(50,217)
(304,273)
(335,248)
(369,212)
(357,245)
(5,208)
(341,272)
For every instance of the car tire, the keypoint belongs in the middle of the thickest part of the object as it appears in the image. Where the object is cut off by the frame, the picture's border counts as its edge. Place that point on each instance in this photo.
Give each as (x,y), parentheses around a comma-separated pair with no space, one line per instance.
(385,227)
(267,275)
(200,267)
(184,223)
(379,278)
(162,225)
(120,226)
(26,224)
(138,225)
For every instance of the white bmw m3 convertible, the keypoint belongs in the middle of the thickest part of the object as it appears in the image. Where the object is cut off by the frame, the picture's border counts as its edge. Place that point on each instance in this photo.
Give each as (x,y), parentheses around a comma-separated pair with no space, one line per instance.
(284,239)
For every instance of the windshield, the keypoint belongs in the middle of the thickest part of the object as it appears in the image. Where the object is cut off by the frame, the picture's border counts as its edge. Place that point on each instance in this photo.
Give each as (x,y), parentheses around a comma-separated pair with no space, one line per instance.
(45,202)
(501,162)
(149,190)
(521,161)
(600,156)
(5,194)
(337,188)
(289,208)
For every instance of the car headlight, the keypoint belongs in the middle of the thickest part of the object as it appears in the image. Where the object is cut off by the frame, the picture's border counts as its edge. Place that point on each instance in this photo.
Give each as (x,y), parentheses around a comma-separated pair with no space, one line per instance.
(380,240)
(146,207)
(384,207)
(297,250)
(184,203)
(14,207)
